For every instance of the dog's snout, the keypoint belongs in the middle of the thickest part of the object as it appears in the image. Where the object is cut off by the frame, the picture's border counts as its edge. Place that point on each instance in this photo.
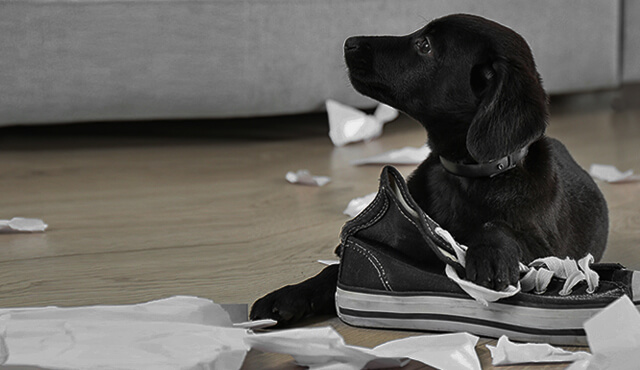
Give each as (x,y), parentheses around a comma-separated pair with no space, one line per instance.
(354,44)
(357,54)
(350,44)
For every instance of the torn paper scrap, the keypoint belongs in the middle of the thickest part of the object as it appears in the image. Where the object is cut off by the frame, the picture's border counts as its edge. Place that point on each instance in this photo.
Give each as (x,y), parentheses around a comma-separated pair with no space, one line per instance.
(24,225)
(385,113)
(347,124)
(329,262)
(323,349)
(615,328)
(357,205)
(611,174)
(478,292)
(454,351)
(173,333)
(509,353)
(317,348)
(238,312)
(406,156)
(614,337)
(194,333)
(255,324)
(185,309)
(73,344)
(303,177)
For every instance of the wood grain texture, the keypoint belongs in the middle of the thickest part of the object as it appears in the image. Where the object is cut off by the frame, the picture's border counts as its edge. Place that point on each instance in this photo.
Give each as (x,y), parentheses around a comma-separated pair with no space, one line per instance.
(141,211)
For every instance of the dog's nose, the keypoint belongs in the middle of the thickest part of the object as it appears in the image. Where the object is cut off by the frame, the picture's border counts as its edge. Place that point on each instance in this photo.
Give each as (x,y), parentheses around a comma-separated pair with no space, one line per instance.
(357,55)
(353,44)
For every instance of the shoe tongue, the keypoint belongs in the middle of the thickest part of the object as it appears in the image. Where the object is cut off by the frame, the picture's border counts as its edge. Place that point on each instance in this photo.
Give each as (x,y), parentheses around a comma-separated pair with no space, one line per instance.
(392,180)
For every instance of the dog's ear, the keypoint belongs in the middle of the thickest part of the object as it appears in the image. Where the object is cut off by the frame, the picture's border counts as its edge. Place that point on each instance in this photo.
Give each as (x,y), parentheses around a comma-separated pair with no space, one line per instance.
(512,109)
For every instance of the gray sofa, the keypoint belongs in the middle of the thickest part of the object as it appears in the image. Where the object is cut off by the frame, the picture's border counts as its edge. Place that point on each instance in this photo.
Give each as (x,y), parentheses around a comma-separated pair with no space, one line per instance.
(103,60)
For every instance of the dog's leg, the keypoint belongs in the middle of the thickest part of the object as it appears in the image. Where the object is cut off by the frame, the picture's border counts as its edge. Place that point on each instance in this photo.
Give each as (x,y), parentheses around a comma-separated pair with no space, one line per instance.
(290,304)
(493,256)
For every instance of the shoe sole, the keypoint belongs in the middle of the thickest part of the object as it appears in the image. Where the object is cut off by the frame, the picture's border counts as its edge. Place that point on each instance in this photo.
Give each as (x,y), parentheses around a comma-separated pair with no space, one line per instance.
(561,326)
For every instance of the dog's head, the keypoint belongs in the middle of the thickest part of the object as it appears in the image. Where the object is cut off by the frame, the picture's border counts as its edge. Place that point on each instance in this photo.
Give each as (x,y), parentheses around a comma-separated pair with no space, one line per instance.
(471,82)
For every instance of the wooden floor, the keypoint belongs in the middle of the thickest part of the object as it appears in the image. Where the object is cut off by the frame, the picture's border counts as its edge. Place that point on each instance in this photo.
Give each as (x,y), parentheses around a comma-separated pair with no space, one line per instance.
(141,211)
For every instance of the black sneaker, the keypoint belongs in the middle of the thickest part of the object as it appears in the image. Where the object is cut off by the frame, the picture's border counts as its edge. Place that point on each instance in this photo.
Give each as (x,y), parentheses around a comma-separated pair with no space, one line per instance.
(392,275)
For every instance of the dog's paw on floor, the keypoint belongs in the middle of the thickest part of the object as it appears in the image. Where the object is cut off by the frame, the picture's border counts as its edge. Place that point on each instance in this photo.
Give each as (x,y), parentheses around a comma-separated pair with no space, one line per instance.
(292,303)
(285,305)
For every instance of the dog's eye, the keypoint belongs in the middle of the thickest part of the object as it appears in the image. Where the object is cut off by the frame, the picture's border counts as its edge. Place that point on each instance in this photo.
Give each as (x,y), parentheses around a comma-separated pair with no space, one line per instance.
(423,46)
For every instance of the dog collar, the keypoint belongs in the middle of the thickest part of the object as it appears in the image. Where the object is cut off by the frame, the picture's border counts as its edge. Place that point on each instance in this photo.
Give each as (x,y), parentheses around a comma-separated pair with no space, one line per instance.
(488,169)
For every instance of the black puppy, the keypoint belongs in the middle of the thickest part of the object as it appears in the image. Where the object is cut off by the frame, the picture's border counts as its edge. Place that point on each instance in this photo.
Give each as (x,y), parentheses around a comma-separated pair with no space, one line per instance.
(493,180)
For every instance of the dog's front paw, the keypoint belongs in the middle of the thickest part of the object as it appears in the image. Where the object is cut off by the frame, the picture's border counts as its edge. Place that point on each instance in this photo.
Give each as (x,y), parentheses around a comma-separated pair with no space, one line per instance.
(494,267)
(286,305)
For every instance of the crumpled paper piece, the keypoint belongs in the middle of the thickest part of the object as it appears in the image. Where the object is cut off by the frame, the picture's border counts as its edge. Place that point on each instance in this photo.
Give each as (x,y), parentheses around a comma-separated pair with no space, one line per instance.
(255,324)
(24,225)
(192,333)
(323,349)
(357,205)
(178,332)
(614,337)
(404,156)
(303,177)
(347,124)
(318,348)
(329,262)
(611,174)
(455,351)
(478,292)
(509,353)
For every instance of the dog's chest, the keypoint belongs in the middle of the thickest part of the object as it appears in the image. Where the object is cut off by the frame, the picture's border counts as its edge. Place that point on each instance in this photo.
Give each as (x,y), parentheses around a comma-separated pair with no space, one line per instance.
(461,204)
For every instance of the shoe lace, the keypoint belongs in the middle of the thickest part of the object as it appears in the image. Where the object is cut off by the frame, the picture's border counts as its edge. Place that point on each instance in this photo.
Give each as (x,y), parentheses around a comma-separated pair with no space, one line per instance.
(537,275)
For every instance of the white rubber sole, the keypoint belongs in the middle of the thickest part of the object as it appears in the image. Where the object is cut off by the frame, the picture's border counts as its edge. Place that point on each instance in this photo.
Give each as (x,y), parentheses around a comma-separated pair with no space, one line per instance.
(451,314)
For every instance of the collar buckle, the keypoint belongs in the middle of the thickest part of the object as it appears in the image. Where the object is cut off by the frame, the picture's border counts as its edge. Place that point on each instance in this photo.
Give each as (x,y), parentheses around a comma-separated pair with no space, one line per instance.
(489,169)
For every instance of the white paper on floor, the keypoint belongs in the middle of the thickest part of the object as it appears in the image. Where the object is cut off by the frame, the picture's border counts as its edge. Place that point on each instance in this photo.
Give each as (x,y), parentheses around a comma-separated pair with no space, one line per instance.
(329,262)
(614,337)
(324,349)
(178,332)
(509,353)
(357,205)
(22,225)
(318,348)
(611,174)
(194,333)
(348,125)
(303,177)
(443,351)
(405,156)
